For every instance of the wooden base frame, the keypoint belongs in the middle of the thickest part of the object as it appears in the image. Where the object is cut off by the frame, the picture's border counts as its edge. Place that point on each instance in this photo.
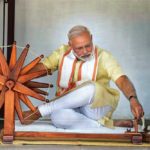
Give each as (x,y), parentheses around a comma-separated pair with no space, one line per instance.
(128,137)
(137,138)
(15,84)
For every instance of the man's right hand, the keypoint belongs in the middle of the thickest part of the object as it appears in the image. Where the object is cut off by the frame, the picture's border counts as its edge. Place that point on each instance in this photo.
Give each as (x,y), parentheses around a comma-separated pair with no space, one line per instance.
(136,108)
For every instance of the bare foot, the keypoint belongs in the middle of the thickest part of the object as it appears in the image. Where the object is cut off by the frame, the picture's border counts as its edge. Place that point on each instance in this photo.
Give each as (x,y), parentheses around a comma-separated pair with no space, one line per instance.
(30,116)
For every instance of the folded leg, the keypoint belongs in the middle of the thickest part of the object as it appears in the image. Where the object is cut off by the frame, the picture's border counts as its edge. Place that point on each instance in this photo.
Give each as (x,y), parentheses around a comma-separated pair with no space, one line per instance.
(95,113)
(70,119)
(77,98)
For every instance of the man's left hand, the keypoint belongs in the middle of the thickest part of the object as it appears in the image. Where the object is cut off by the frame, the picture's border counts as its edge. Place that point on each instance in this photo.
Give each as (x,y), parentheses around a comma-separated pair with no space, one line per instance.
(136,108)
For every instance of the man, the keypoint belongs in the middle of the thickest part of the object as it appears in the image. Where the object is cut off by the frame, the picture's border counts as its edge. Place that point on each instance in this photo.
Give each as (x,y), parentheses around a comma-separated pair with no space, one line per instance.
(84,97)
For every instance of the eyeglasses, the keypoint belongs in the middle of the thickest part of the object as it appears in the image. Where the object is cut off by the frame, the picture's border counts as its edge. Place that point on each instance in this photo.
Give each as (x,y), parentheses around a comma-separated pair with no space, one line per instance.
(87,46)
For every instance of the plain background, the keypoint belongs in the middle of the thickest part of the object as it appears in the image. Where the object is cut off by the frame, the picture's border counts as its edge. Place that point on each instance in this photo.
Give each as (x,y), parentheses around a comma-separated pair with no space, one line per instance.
(119,26)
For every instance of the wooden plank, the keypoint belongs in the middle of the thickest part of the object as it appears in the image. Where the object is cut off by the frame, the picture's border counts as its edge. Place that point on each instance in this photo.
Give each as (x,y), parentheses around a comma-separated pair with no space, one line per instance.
(9,115)
(30,76)
(13,56)
(31,65)
(67,136)
(27,102)
(61,136)
(71,136)
(25,90)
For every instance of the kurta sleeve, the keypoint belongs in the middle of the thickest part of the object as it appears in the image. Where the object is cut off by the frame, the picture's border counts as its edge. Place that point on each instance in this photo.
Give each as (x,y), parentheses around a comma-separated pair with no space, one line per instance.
(111,65)
(52,61)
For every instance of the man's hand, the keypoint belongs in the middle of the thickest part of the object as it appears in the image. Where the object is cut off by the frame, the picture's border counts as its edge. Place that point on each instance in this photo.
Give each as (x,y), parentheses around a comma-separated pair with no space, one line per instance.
(136,108)
(126,86)
(40,66)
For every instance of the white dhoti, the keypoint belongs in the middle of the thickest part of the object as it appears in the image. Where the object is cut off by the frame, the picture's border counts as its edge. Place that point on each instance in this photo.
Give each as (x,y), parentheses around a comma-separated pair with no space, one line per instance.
(73,110)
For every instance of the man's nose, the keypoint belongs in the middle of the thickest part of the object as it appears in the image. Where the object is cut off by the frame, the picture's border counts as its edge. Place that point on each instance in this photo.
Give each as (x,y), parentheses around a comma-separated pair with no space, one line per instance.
(84,50)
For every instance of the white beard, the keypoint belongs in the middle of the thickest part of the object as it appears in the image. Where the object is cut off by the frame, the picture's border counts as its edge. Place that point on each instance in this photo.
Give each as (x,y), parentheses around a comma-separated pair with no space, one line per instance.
(85,58)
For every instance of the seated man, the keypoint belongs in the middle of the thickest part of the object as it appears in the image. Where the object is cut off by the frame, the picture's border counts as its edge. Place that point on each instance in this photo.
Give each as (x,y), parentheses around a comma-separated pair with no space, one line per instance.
(84,97)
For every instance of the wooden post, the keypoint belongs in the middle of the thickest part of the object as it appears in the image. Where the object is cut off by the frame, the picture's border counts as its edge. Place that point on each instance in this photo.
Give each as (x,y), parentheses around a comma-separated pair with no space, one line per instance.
(9,112)
(11,26)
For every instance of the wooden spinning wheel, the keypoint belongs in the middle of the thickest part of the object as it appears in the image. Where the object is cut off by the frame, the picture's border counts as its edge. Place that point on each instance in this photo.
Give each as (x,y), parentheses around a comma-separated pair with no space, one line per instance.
(16,85)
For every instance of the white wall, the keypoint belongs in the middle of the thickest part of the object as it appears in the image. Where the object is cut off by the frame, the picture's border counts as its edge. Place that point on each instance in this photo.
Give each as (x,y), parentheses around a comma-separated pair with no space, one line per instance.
(121,26)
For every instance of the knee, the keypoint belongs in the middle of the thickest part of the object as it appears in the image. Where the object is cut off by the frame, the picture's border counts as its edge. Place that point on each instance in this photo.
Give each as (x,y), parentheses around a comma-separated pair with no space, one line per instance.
(87,88)
(63,118)
(89,91)
(90,87)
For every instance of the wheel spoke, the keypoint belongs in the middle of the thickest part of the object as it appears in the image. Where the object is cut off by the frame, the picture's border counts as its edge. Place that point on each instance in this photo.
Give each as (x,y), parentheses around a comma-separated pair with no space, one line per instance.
(27,102)
(18,107)
(3,64)
(13,57)
(17,68)
(2,79)
(39,91)
(2,96)
(25,90)
(31,65)
(34,84)
(25,78)
(1,87)
(1,70)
